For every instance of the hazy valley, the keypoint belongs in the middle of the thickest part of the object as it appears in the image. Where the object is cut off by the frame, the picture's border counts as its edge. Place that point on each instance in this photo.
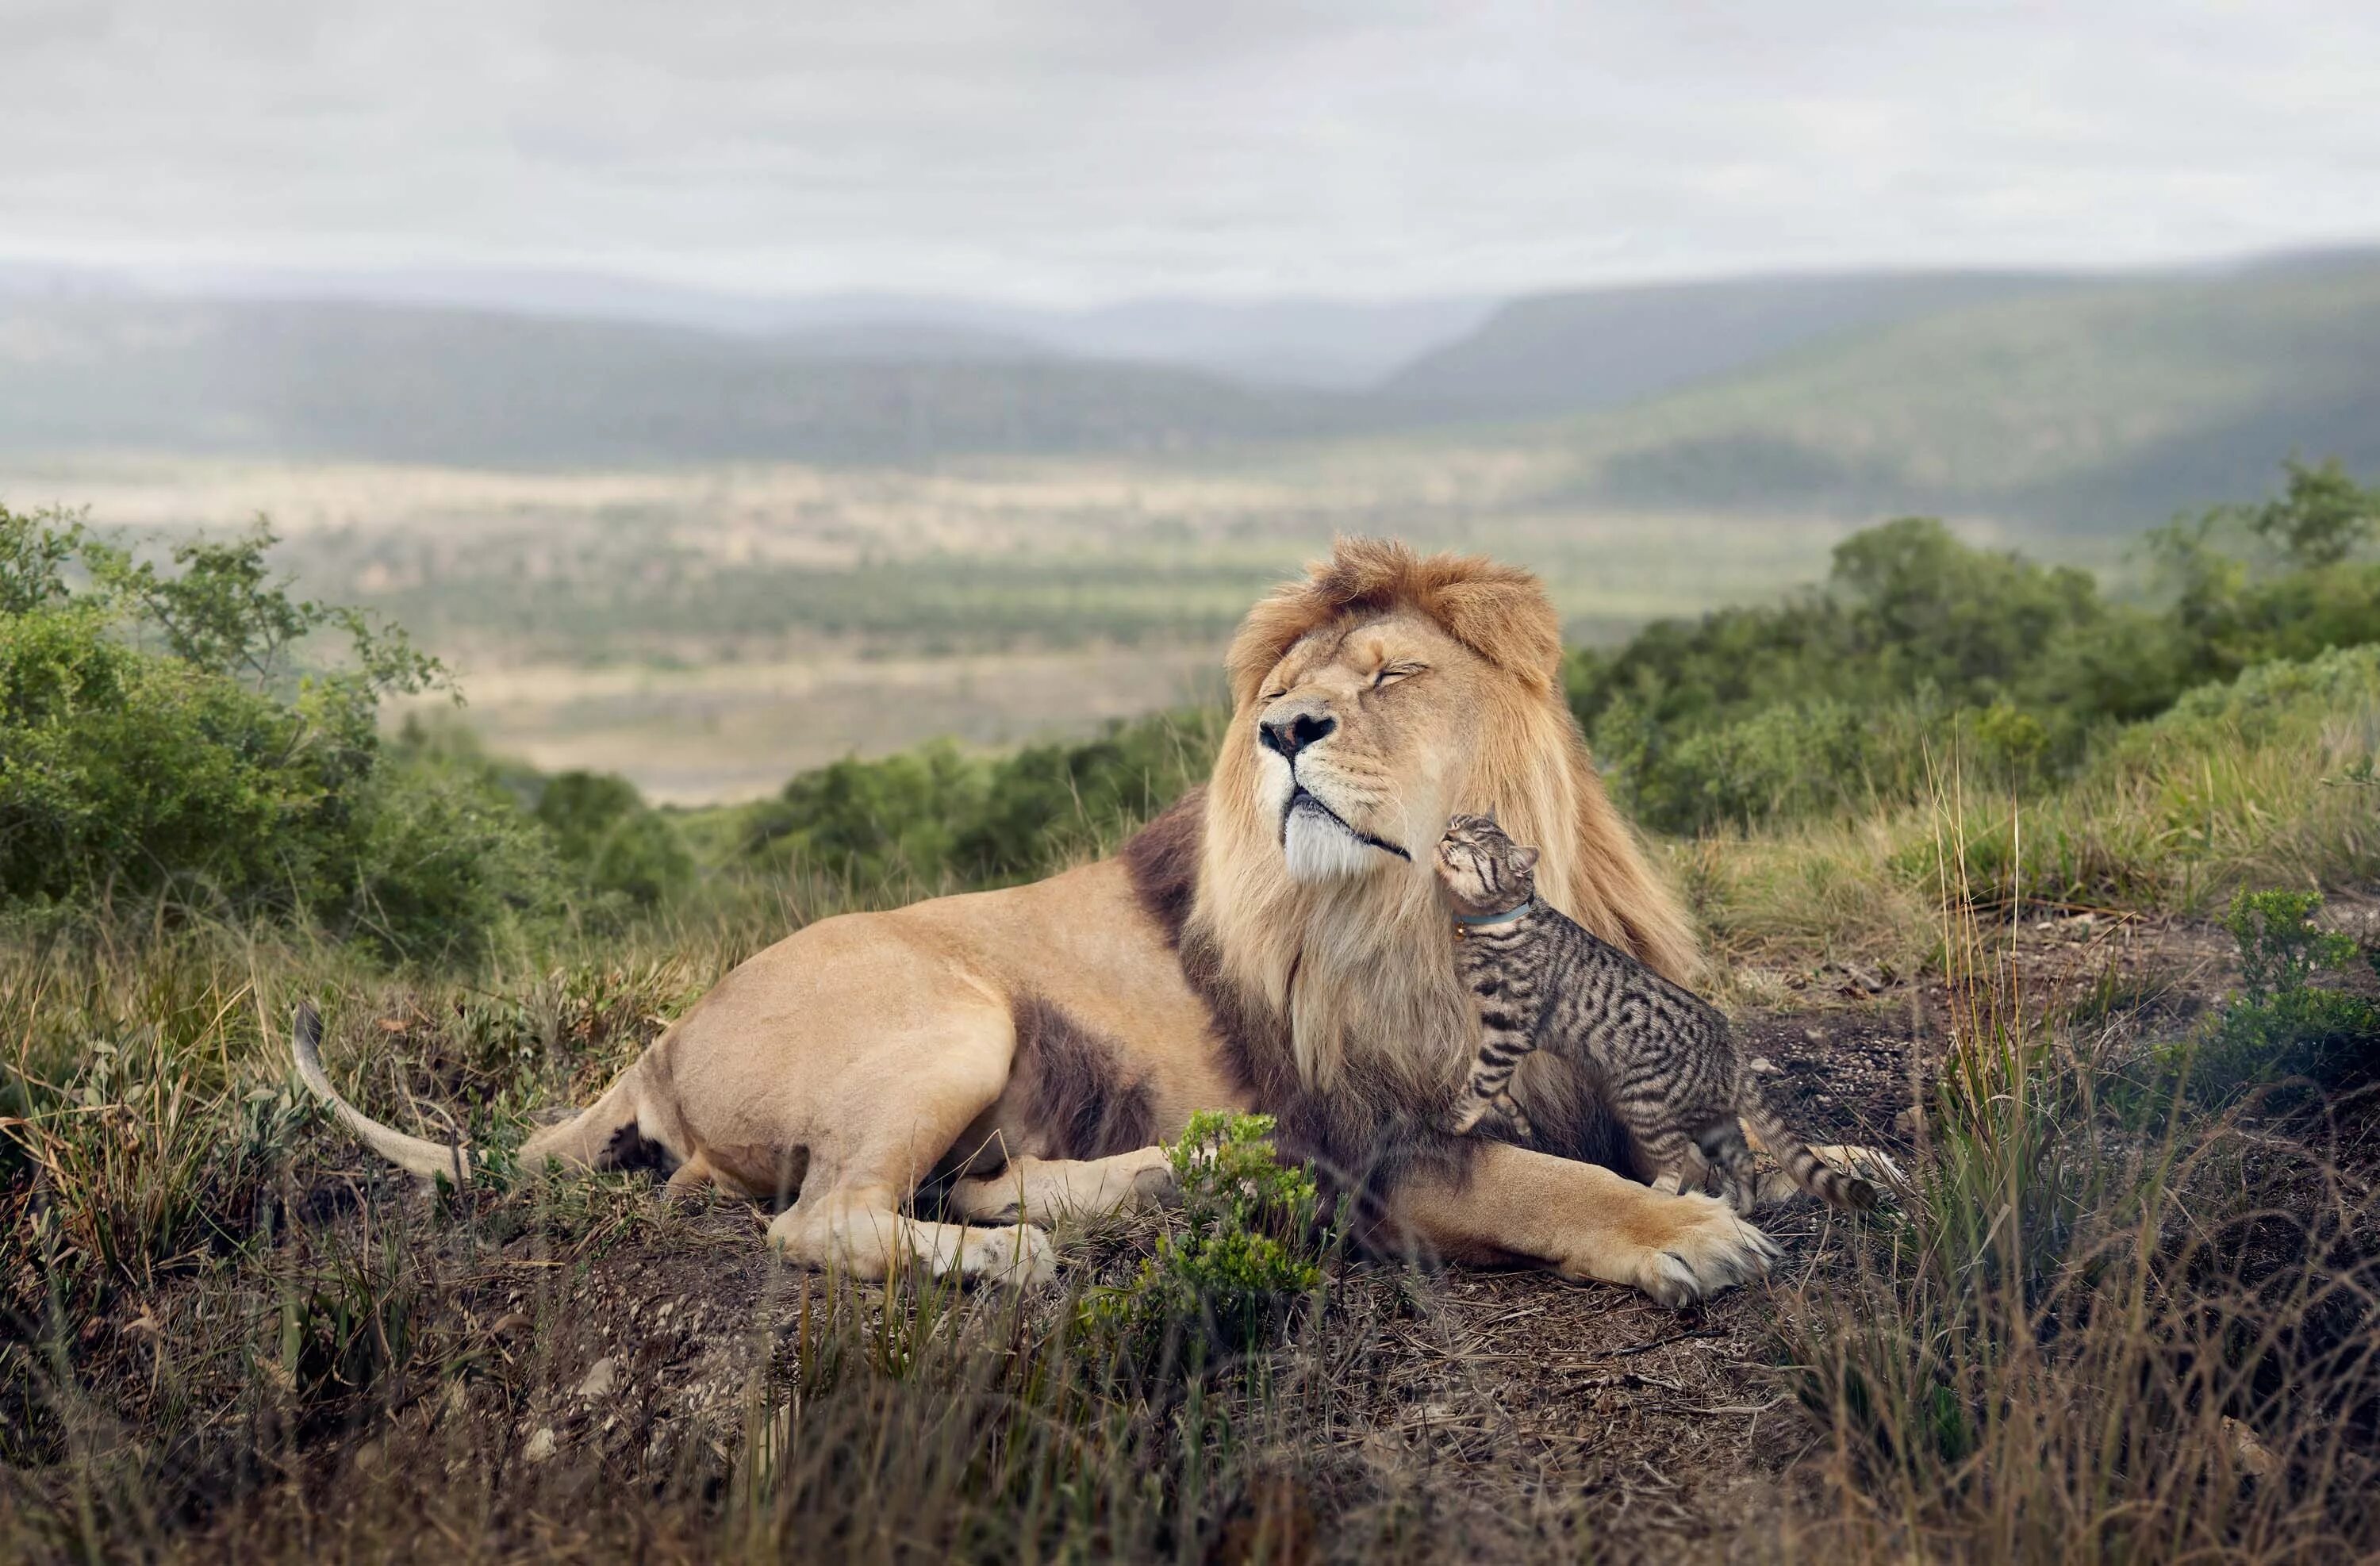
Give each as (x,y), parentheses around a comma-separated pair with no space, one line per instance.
(705,541)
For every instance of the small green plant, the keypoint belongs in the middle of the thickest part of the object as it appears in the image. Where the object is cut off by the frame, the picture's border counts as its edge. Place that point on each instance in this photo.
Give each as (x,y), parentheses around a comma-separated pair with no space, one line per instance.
(1242,1253)
(2282,1023)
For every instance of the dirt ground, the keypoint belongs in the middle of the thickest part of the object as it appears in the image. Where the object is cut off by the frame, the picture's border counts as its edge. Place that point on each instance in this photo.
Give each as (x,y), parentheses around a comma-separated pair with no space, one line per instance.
(1519,1413)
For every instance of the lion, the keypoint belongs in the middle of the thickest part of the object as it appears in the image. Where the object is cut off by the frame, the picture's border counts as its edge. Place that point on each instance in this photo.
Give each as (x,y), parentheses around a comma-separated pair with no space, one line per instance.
(1274,941)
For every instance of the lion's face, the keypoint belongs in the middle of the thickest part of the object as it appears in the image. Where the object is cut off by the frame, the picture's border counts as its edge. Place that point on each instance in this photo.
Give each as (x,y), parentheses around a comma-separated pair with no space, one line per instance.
(1362,739)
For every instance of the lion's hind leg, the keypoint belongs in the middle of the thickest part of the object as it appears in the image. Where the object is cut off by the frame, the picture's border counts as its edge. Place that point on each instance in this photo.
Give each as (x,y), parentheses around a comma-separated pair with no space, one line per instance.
(872,1153)
(604,1135)
(858,1229)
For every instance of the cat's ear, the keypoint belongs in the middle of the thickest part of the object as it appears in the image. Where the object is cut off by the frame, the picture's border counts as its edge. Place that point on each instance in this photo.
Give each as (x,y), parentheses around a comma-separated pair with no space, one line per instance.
(1526,858)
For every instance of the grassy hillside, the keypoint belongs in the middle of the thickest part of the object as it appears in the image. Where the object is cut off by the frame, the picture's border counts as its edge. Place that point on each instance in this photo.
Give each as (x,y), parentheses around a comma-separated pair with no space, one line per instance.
(2120,1310)
(2036,399)
(440,385)
(1571,352)
(2104,407)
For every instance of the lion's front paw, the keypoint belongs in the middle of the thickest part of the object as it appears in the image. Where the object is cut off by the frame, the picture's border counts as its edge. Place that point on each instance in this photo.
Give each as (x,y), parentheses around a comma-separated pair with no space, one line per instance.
(1154,1187)
(1696,1247)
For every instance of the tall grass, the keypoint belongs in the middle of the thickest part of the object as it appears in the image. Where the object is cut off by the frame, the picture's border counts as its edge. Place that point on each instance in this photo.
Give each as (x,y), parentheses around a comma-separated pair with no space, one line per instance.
(2262,782)
(2103,1325)
(2101,1330)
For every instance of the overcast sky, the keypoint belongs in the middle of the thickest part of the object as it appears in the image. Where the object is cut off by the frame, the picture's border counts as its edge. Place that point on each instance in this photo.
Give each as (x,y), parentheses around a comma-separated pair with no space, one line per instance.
(1058,153)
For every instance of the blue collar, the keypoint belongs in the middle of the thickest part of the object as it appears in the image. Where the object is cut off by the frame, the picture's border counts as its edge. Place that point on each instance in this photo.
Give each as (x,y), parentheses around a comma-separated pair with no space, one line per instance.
(1482,921)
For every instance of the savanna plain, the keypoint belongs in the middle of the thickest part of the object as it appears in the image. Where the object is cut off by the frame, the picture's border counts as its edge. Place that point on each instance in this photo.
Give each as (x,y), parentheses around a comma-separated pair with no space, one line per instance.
(2062,885)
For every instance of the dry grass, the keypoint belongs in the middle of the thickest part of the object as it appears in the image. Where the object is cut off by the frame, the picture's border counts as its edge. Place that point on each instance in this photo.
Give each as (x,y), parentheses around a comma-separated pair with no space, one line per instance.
(2104,1325)
(2172,817)
(2102,1331)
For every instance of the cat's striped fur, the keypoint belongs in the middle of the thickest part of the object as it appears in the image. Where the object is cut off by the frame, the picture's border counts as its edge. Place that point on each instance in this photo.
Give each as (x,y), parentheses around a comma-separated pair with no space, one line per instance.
(1667,1066)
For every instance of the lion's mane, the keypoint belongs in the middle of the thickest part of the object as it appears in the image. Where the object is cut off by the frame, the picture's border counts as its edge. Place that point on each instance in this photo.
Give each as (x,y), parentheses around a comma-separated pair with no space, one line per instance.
(1338,1001)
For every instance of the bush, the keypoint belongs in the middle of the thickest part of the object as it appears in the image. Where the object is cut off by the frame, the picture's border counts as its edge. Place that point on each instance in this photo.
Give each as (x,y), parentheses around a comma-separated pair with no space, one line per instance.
(618,844)
(1240,1255)
(1919,647)
(936,815)
(2280,1024)
(163,734)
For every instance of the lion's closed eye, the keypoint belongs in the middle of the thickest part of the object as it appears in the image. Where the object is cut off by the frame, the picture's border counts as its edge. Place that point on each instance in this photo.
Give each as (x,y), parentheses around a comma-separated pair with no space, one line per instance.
(1391,672)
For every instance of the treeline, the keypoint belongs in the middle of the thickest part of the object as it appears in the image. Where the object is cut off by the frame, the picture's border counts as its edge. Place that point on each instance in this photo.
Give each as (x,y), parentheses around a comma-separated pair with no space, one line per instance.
(191,738)
(1919,649)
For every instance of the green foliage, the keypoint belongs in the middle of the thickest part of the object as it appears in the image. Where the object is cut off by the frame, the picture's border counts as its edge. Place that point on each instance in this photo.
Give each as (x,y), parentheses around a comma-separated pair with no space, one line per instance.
(602,826)
(2282,1023)
(1241,1254)
(1920,648)
(34,551)
(2321,516)
(158,739)
(936,816)
(2280,947)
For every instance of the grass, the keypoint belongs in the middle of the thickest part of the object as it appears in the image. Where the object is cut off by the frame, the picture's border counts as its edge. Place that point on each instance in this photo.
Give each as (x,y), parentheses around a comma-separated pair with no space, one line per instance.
(2107,1323)
(2241,787)
(2101,1330)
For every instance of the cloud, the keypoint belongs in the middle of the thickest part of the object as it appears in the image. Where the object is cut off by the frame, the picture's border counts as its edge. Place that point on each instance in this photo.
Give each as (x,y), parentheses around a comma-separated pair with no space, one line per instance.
(1061,151)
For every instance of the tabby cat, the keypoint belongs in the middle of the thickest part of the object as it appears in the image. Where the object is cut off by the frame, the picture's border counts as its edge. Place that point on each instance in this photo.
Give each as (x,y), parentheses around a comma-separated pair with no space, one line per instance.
(1662,1056)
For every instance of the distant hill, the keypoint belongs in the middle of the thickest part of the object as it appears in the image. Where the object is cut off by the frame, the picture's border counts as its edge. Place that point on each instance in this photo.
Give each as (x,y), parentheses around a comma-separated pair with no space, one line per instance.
(1333,343)
(2062,400)
(1340,344)
(342,380)
(2103,405)
(1573,352)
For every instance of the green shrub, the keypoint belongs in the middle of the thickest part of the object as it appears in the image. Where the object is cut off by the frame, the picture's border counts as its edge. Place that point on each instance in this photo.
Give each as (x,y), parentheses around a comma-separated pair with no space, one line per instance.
(446,864)
(2282,1023)
(936,816)
(1240,1256)
(170,734)
(603,829)
(1919,648)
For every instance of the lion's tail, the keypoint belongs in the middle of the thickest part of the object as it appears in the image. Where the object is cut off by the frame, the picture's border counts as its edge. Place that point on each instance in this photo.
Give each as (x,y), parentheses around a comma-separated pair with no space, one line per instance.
(416,1155)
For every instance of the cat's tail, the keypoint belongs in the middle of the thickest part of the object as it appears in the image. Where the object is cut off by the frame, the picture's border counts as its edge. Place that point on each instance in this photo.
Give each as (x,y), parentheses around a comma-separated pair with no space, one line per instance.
(1804,1168)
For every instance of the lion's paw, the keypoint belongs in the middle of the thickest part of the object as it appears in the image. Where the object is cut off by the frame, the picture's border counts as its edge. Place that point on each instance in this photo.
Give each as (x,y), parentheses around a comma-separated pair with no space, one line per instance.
(1154,1187)
(1021,1254)
(1706,1247)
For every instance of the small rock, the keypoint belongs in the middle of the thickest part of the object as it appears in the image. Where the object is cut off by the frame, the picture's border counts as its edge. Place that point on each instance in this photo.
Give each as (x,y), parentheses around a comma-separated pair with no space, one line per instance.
(601,1377)
(1762,1066)
(540,1446)
(1910,1121)
(1812,1036)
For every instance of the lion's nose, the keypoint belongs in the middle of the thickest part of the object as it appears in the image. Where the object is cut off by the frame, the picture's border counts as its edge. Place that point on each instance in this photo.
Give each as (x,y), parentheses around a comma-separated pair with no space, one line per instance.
(1290,735)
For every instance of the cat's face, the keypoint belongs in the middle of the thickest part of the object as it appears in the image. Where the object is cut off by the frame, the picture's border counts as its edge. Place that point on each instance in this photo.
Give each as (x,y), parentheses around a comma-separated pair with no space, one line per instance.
(1483,870)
